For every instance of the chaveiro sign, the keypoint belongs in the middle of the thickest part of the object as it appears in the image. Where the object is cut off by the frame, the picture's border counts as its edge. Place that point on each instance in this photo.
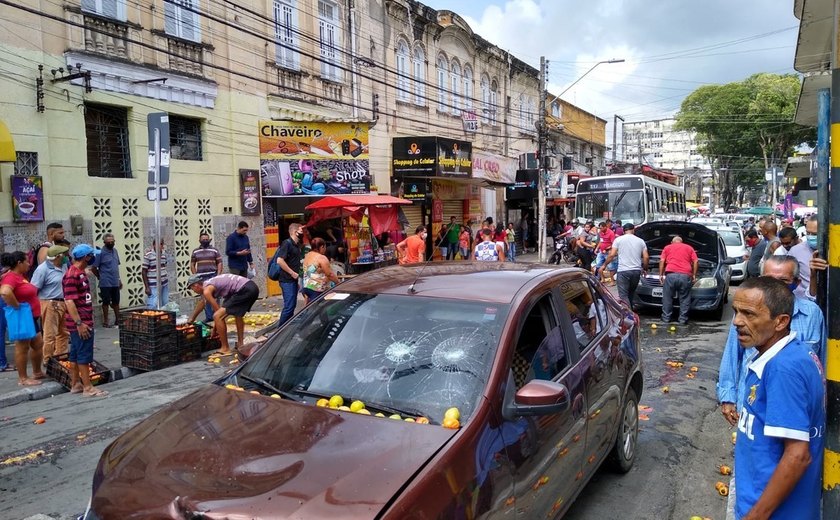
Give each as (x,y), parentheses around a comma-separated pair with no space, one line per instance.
(431,157)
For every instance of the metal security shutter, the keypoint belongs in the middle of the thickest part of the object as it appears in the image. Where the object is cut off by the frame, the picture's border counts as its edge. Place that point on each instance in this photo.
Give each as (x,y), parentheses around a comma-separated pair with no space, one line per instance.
(414,214)
(453,208)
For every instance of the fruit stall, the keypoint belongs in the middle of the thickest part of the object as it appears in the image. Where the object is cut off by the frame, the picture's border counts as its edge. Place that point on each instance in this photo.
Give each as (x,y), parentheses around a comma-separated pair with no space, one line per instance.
(151,340)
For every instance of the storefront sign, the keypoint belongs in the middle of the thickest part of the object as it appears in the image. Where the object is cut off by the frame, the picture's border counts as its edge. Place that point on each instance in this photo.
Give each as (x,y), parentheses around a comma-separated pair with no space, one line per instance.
(410,189)
(313,158)
(470,121)
(431,157)
(27,198)
(437,211)
(525,187)
(448,190)
(249,192)
(494,168)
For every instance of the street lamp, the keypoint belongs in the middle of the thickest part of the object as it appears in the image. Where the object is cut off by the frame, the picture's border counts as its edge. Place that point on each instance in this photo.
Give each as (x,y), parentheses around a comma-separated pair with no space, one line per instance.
(542,135)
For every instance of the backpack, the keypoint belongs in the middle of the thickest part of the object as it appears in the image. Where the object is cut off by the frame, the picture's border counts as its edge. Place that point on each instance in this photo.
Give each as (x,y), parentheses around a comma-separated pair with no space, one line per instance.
(32,258)
(274,269)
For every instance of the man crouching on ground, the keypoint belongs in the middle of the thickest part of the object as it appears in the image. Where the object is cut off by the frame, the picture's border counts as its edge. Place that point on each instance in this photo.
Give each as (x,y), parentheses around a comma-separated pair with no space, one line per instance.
(239,295)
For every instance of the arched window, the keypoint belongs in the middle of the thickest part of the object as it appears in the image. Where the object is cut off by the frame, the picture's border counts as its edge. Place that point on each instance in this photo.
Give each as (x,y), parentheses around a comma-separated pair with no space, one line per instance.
(442,73)
(486,108)
(419,76)
(494,101)
(468,88)
(403,74)
(455,87)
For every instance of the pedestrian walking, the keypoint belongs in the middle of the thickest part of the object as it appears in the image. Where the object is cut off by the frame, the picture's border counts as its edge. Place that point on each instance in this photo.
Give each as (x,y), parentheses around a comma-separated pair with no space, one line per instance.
(151,277)
(412,250)
(79,320)
(47,278)
(106,268)
(606,236)
(522,228)
(488,250)
(288,257)
(238,251)
(510,241)
(453,237)
(464,242)
(317,273)
(239,294)
(206,260)
(781,426)
(16,290)
(678,266)
(631,255)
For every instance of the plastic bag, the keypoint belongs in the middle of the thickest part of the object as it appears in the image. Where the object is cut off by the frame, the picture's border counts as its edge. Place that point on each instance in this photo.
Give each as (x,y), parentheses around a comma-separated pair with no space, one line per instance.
(252,273)
(19,322)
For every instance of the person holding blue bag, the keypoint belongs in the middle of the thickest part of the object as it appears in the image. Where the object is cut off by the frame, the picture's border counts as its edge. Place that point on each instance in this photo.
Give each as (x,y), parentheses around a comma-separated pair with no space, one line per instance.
(23,314)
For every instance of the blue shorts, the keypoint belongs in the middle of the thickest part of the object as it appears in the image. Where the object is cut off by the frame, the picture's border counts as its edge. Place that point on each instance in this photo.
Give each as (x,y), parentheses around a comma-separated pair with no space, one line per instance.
(81,350)
(602,258)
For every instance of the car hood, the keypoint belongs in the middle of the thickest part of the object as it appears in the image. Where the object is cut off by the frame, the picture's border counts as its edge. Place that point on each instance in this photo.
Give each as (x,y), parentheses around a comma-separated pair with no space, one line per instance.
(657,235)
(227,454)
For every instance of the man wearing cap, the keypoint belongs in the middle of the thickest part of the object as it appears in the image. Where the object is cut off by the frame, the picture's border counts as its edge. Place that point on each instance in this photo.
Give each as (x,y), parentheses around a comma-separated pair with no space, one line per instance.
(79,320)
(633,260)
(239,295)
(107,269)
(48,278)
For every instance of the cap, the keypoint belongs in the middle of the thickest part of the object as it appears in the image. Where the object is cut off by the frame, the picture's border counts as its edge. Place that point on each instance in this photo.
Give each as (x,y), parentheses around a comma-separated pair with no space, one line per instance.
(83,250)
(55,250)
(628,226)
(198,278)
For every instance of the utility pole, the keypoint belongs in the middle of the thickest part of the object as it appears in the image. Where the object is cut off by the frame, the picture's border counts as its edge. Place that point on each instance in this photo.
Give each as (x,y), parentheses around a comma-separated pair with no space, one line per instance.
(616,117)
(541,183)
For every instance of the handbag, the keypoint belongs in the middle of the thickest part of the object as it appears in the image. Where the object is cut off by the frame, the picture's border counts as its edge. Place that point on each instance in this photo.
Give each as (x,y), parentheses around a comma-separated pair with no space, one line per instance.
(19,322)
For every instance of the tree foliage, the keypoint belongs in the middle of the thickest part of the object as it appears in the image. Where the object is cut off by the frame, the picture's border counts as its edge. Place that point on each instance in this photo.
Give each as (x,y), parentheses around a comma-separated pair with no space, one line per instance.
(744,128)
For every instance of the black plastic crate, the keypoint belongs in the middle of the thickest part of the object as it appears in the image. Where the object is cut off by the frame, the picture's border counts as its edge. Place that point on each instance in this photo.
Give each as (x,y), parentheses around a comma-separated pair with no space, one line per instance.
(151,322)
(213,344)
(189,350)
(147,360)
(159,343)
(187,334)
(58,369)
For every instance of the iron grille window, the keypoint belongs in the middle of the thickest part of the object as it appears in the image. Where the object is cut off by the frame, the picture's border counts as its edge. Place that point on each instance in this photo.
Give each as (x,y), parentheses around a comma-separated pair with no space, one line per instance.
(185,138)
(106,129)
(26,163)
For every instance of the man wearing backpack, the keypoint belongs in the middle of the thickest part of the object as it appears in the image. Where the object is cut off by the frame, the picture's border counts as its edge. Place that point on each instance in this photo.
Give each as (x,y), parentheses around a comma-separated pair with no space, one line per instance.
(38,253)
(288,258)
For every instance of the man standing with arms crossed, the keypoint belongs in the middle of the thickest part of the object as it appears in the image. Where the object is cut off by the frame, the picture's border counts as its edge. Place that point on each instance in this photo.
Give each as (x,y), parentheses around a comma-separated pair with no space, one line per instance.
(633,260)
(678,266)
(207,261)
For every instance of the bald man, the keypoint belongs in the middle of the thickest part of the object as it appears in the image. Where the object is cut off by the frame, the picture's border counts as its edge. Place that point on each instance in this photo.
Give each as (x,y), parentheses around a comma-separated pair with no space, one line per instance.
(677,273)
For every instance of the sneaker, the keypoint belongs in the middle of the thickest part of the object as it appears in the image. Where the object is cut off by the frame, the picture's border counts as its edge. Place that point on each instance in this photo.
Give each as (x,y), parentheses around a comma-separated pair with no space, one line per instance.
(683,322)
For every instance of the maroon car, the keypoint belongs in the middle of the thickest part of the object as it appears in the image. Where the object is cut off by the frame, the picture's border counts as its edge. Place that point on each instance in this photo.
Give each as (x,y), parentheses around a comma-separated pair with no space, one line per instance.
(541,363)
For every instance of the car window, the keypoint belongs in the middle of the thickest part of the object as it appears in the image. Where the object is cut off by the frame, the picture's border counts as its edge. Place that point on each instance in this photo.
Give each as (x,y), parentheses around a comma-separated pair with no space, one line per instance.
(540,348)
(587,311)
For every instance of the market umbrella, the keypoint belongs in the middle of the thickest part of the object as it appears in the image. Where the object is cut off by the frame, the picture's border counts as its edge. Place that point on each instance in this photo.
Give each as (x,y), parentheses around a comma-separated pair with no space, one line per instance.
(341,201)
(761,210)
(382,209)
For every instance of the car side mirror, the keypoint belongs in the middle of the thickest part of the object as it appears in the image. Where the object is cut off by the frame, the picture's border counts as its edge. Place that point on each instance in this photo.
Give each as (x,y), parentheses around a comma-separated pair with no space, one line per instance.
(729,261)
(537,397)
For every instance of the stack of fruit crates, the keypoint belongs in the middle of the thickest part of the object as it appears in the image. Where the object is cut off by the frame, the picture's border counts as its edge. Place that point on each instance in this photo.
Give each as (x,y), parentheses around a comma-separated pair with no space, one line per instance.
(58,368)
(148,340)
(188,339)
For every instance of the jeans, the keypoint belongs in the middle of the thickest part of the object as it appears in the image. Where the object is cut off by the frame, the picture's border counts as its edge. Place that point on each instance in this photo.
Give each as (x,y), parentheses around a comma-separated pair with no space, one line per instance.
(452,250)
(290,292)
(680,284)
(465,253)
(151,300)
(511,252)
(3,362)
(627,282)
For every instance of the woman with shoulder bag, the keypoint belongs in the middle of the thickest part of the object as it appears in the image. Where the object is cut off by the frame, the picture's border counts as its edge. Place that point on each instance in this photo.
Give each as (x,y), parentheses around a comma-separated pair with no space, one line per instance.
(15,290)
(316,271)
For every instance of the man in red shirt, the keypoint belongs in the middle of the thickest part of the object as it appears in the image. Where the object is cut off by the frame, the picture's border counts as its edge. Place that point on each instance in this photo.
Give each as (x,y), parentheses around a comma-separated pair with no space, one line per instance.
(607,237)
(677,273)
(412,250)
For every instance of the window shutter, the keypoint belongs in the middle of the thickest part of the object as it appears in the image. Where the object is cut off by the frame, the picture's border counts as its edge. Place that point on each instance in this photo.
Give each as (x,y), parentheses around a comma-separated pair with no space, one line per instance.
(170,22)
(89,6)
(110,9)
(189,20)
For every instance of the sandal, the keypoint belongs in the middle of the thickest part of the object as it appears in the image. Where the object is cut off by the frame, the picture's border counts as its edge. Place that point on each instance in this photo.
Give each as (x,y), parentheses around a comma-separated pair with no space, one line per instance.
(29,382)
(94,393)
(219,353)
(78,389)
(8,368)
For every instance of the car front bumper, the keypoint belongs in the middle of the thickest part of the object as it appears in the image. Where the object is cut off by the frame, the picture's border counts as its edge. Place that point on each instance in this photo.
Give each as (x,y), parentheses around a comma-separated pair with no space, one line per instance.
(649,293)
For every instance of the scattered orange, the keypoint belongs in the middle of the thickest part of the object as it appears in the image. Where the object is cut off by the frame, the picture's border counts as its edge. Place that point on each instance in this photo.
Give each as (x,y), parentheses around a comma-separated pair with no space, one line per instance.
(40,420)
(451,423)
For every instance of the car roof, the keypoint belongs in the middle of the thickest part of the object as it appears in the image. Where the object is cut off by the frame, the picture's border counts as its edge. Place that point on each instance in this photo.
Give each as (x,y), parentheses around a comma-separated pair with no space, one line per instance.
(467,280)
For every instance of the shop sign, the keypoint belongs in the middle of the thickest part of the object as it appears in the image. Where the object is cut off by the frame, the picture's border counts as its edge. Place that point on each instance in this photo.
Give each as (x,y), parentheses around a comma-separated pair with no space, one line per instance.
(470,121)
(571,184)
(313,158)
(27,198)
(431,157)
(494,168)
(410,189)
(249,192)
(437,210)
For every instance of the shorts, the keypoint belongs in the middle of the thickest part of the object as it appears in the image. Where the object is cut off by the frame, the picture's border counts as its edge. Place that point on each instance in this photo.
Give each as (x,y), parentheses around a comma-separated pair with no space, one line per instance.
(239,303)
(81,350)
(309,293)
(110,295)
(602,258)
(38,328)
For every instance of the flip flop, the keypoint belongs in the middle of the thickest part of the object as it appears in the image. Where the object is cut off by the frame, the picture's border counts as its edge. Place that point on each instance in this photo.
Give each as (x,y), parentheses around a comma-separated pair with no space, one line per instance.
(221,354)
(29,382)
(95,393)
(8,369)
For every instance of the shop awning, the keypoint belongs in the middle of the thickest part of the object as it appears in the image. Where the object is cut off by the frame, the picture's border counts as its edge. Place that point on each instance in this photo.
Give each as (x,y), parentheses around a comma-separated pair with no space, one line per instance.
(343,201)
(7,145)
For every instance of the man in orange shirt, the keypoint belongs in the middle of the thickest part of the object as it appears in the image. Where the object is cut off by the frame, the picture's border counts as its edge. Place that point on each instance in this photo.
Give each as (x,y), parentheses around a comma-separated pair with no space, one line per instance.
(412,250)
(678,265)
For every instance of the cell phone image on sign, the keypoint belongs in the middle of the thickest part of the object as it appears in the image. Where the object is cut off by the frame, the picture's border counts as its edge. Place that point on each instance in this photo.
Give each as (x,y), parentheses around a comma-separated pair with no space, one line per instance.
(278,175)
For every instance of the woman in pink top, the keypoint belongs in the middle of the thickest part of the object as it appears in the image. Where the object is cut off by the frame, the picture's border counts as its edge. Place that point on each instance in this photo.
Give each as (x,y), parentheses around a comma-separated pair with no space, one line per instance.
(464,243)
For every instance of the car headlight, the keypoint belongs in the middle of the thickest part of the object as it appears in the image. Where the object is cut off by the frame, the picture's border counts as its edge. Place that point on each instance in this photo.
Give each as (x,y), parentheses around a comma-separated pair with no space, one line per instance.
(706,283)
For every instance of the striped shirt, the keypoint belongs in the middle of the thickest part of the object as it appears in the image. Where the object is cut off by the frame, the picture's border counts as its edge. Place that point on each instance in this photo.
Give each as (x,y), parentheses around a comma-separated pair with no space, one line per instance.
(150,266)
(77,288)
(206,259)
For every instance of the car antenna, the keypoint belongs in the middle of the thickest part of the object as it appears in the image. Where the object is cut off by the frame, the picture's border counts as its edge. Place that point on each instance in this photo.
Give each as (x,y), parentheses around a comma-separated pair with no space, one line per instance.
(411,289)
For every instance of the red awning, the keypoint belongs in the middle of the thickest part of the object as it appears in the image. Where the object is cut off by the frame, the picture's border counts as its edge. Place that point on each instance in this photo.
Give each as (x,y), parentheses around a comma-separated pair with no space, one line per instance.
(341,201)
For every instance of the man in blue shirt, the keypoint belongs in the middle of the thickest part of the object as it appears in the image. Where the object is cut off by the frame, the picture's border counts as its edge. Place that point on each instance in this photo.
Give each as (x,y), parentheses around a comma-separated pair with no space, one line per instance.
(48,278)
(781,425)
(238,250)
(807,321)
(106,267)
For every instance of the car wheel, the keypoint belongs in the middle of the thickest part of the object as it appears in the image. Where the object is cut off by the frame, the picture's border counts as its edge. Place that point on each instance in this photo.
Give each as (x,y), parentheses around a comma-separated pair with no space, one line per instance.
(624,451)
(717,314)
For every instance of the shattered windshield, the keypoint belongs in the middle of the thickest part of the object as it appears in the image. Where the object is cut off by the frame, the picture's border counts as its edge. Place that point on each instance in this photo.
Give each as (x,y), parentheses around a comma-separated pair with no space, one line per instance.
(401,352)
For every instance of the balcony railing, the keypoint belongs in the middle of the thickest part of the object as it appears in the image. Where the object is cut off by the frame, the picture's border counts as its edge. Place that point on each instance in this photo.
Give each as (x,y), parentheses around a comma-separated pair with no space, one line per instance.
(185,56)
(106,37)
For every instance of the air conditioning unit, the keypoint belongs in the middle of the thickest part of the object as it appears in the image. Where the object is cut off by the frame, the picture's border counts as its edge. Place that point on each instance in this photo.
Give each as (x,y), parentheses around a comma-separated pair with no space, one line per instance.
(549,162)
(587,160)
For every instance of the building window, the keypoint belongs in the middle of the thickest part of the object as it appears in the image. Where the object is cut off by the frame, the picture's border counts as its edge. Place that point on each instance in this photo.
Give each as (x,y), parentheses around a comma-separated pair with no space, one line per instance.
(468,88)
(494,102)
(526,113)
(114,9)
(402,71)
(419,77)
(442,70)
(330,40)
(185,138)
(556,111)
(106,130)
(485,98)
(285,34)
(180,19)
(455,87)
(26,163)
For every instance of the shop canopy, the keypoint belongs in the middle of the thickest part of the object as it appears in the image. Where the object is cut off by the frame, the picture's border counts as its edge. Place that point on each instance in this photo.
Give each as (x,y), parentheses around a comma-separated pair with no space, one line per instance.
(381,209)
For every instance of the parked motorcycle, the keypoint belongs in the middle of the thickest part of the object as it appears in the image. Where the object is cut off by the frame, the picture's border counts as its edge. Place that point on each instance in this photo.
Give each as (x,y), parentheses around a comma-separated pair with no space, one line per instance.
(563,251)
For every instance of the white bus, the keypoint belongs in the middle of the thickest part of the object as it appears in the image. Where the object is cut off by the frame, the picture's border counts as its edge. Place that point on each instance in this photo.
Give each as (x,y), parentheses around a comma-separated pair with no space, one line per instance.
(629,198)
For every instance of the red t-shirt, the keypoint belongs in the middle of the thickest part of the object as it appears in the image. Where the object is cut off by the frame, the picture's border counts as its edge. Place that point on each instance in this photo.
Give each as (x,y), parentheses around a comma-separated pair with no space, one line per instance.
(678,258)
(607,238)
(415,246)
(77,288)
(24,291)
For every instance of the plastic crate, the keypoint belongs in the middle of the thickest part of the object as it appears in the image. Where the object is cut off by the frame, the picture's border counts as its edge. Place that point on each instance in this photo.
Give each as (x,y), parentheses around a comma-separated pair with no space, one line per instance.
(148,360)
(151,322)
(189,350)
(187,334)
(159,343)
(61,373)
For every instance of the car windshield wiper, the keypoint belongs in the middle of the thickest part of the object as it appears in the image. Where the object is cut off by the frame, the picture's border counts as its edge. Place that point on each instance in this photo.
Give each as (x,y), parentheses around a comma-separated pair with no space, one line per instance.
(265,385)
(375,406)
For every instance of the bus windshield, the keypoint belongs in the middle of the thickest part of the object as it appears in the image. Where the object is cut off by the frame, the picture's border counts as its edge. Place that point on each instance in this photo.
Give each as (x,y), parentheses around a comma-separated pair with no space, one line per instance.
(627,206)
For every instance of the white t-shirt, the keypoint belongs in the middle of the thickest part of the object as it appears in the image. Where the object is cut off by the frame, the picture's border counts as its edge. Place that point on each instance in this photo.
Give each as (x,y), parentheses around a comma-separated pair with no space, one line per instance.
(630,248)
